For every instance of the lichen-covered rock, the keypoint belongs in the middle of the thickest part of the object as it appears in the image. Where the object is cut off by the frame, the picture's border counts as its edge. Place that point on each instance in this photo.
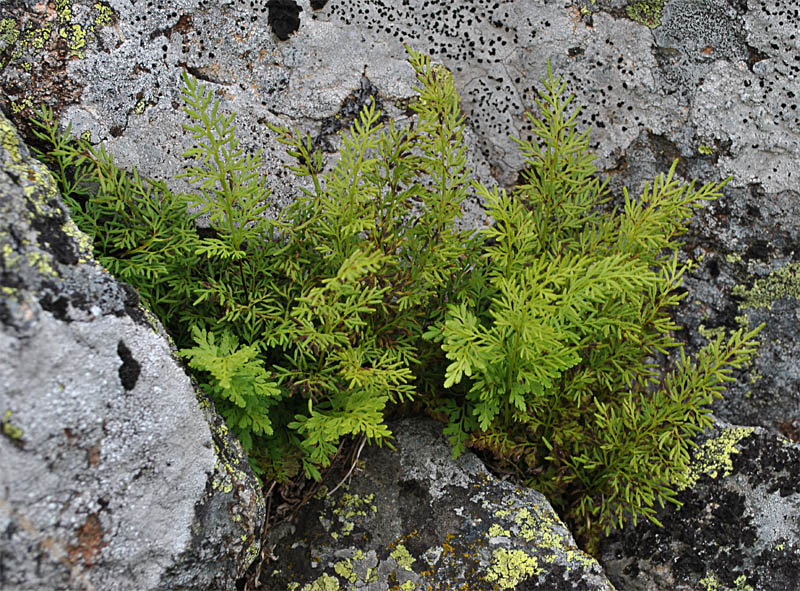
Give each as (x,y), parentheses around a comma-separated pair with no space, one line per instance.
(417,519)
(114,473)
(738,528)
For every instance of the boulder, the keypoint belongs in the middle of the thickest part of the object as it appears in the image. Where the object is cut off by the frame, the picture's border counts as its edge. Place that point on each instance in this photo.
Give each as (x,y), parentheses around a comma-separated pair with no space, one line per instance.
(415,518)
(115,472)
(738,528)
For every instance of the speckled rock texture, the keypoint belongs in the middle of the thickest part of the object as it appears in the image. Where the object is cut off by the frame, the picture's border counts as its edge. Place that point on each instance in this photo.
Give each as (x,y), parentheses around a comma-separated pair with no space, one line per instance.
(417,519)
(114,474)
(738,528)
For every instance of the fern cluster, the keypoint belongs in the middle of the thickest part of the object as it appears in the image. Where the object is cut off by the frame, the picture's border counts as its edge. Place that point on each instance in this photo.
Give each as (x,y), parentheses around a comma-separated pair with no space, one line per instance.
(303,328)
(542,339)
(557,357)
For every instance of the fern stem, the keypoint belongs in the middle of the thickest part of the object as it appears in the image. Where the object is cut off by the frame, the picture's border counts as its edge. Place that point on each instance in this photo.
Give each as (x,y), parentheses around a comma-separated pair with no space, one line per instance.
(244,283)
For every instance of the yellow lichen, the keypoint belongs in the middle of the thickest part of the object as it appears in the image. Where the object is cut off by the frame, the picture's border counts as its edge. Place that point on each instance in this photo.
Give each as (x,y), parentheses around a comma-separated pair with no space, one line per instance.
(497,531)
(783,283)
(344,568)
(510,567)
(105,14)
(10,430)
(324,583)
(403,557)
(713,457)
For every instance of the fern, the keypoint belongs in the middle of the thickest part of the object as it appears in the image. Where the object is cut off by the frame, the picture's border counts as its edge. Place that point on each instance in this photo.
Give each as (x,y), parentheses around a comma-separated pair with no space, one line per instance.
(559,343)
(542,339)
(238,383)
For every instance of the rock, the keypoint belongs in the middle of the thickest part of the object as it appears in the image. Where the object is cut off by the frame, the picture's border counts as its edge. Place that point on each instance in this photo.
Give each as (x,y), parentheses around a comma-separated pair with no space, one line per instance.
(417,519)
(738,528)
(115,473)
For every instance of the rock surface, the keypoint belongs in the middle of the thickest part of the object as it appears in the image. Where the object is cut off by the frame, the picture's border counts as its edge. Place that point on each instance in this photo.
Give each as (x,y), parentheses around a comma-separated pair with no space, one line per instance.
(738,528)
(417,519)
(114,473)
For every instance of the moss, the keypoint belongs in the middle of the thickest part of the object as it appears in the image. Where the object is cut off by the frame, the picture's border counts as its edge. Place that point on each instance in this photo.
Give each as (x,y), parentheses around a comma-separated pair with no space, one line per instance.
(705,149)
(713,458)
(646,12)
(510,567)
(783,283)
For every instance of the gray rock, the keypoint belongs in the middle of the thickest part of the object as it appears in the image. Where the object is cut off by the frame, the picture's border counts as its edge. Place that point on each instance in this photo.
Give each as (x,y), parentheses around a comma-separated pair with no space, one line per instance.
(417,519)
(115,473)
(738,528)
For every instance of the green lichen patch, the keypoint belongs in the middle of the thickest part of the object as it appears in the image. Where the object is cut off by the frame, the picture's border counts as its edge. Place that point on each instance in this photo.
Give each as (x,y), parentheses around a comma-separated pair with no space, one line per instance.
(324,583)
(357,569)
(403,557)
(713,458)
(783,283)
(10,430)
(347,508)
(646,12)
(710,583)
(510,567)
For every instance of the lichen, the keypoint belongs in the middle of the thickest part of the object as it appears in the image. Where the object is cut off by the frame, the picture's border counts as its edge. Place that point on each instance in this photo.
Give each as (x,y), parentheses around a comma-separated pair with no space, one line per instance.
(646,12)
(9,430)
(713,458)
(783,283)
(9,31)
(35,37)
(403,557)
(496,531)
(324,583)
(105,14)
(510,567)
(710,583)
(344,568)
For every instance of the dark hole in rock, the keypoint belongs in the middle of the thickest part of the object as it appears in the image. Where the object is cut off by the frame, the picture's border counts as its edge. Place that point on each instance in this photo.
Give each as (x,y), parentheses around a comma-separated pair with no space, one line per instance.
(130,369)
(713,267)
(284,17)
(57,306)
(758,250)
